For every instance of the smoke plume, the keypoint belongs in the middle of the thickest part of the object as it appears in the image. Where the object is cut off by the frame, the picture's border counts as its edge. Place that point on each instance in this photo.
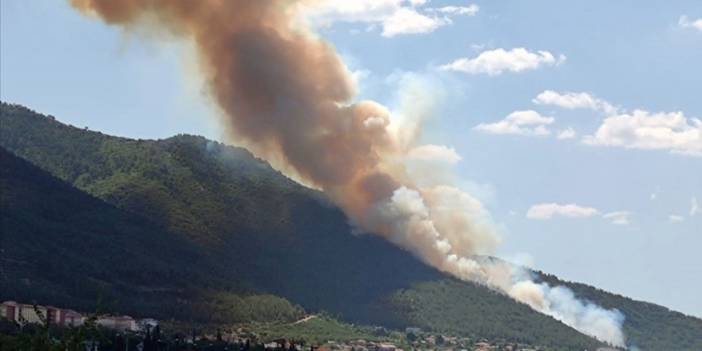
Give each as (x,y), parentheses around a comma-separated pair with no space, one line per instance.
(287,96)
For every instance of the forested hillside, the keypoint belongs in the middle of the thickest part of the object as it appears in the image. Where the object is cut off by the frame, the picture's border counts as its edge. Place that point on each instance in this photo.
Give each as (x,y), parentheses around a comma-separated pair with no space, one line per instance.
(243,228)
(63,246)
(648,326)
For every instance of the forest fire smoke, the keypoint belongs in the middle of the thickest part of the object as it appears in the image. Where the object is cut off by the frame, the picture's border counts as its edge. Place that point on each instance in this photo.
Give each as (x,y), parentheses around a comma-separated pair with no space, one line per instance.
(286,95)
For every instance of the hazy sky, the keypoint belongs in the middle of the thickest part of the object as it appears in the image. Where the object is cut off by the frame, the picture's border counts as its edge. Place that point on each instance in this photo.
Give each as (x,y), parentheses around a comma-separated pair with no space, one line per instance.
(578,125)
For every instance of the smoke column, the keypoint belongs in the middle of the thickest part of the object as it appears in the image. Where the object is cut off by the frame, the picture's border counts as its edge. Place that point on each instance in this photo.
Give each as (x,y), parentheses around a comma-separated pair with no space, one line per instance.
(286,95)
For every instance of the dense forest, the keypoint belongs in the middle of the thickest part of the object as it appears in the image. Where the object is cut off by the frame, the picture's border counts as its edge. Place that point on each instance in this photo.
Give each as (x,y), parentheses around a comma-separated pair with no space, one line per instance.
(191,229)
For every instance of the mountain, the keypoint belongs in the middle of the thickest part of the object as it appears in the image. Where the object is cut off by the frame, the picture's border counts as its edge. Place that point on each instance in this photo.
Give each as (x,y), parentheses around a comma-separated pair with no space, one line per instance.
(216,232)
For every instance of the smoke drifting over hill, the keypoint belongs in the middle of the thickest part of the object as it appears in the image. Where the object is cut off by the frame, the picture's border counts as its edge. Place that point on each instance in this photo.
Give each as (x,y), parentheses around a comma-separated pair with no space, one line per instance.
(286,95)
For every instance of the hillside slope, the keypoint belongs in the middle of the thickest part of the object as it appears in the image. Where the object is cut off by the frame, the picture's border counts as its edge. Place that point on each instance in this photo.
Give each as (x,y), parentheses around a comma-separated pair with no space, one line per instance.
(267,234)
(60,245)
(648,326)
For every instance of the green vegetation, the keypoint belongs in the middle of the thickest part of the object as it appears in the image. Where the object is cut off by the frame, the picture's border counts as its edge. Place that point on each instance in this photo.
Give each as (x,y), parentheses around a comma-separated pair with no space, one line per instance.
(226,307)
(45,337)
(480,313)
(647,326)
(91,336)
(189,229)
(322,328)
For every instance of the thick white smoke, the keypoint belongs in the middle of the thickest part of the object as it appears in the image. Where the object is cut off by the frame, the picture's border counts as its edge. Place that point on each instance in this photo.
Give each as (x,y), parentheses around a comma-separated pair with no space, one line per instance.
(287,95)
(560,303)
(446,228)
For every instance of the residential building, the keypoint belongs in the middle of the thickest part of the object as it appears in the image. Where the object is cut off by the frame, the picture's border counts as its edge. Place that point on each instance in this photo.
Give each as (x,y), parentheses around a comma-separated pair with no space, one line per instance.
(26,313)
(118,322)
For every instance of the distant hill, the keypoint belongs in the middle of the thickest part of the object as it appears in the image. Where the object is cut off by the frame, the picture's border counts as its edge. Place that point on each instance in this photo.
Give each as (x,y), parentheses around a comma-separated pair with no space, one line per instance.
(223,228)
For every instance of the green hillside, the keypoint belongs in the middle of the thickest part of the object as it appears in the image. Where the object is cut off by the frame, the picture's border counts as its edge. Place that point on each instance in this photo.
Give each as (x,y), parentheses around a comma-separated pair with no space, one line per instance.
(250,230)
(63,246)
(648,326)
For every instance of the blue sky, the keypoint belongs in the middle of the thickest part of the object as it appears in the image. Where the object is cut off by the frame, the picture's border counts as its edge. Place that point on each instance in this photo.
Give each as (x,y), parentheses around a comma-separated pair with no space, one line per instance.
(622,78)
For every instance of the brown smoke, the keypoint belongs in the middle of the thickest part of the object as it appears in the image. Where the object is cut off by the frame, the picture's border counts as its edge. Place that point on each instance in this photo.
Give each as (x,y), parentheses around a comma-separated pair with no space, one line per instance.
(286,95)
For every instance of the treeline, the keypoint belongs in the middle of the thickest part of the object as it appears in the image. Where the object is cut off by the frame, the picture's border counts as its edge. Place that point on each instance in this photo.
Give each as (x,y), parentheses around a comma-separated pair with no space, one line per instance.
(92,337)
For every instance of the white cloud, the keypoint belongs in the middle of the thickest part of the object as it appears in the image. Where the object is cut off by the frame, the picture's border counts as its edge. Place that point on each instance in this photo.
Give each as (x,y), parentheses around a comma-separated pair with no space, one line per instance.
(526,122)
(685,22)
(650,131)
(566,134)
(694,207)
(394,17)
(368,11)
(478,46)
(359,75)
(469,10)
(495,62)
(410,21)
(675,218)
(432,152)
(571,101)
(548,210)
(618,217)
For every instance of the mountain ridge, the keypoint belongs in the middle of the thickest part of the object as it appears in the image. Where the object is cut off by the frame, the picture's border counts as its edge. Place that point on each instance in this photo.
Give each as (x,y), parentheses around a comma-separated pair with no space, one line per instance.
(141,176)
